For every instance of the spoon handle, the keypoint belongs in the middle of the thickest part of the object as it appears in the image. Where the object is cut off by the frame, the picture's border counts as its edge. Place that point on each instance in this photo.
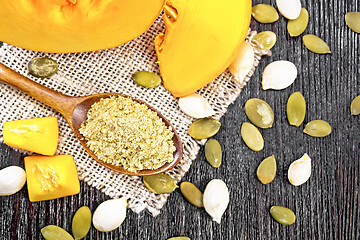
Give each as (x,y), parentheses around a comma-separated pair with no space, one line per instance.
(60,102)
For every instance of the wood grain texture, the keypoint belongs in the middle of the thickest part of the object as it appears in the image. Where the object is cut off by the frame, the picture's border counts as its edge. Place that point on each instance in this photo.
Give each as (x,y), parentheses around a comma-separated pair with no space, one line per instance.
(327,206)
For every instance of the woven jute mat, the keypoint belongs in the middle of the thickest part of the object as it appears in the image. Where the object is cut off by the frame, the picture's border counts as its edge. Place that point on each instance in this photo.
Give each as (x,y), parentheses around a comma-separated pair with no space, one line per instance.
(110,71)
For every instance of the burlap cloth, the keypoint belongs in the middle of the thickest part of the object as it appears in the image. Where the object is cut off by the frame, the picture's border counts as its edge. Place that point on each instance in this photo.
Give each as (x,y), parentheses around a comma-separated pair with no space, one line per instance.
(110,71)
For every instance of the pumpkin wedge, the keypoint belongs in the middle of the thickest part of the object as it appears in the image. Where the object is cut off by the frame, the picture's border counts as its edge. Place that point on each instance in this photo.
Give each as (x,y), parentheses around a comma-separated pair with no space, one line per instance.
(201,40)
(75,25)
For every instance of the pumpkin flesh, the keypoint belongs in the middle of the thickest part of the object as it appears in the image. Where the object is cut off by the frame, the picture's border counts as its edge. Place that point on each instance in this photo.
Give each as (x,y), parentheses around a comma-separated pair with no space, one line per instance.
(200,42)
(75,25)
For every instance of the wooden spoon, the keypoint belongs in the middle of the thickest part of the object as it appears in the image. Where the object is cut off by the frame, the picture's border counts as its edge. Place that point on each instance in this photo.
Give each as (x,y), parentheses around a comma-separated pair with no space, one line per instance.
(74,110)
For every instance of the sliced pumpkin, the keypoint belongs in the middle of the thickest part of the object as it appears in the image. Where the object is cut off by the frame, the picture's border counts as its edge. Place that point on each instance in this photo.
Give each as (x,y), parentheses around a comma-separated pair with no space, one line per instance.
(75,25)
(38,135)
(201,40)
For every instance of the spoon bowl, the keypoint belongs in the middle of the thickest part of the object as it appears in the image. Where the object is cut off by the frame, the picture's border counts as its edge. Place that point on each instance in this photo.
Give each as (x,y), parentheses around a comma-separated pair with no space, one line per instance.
(75,109)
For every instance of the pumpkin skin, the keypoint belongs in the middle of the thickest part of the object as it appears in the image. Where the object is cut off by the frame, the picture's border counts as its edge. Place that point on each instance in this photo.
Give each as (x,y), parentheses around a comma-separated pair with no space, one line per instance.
(64,26)
(201,40)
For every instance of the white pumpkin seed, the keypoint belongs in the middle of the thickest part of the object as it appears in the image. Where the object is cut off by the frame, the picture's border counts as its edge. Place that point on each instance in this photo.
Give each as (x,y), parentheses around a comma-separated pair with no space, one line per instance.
(289,8)
(104,218)
(12,179)
(300,170)
(352,20)
(196,106)
(243,63)
(279,75)
(297,26)
(216,199)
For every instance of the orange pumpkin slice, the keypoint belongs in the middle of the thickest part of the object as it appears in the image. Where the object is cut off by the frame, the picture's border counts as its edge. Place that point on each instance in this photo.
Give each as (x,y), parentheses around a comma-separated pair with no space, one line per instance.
(201,40)
(75,25)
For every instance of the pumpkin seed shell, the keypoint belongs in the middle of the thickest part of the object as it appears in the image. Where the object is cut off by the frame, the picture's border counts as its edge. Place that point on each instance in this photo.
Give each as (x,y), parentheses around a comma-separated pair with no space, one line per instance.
(300,170)
(192,194)
(296,109)
(52,232)
(315,44)
(160,183)
(252,136)
(179,238)
(279,75)
(81,222)
(42,67)
(283,215)
(289,8)
(243,63)
(204,128)
(147,79)
(216,199)
(355,106)
(265,13)
(213,152)
(196,106)
(297,26)
(352,19)
(266,170)
(259,113)
(317,128)
(266,39)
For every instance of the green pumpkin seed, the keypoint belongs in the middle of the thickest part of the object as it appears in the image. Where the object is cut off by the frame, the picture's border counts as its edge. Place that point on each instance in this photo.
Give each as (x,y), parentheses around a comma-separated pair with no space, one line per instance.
(315,44)
(81,222)
(317,128)
(259,113)
(296,109)
(297,26)
(266,39)
(179,238)
(283,215)
(252,137)
(204,128)
(265,13)
(213,152)
(147,79)
(52,232)
(355,106)
(160,183)
(192,194)
(266,170)
(42,67)
(352,19)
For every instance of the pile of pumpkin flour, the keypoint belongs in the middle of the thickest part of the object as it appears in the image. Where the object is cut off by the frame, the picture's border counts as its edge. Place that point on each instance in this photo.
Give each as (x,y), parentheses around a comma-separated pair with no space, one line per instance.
(125,133)
(110,71)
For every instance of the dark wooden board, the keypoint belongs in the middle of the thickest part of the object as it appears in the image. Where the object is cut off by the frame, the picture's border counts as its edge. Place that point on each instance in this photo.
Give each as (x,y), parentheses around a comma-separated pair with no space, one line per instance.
(327,206)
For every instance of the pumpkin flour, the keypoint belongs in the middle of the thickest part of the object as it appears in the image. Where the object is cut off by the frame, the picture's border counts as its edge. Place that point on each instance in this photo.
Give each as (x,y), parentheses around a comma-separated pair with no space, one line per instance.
(125,133)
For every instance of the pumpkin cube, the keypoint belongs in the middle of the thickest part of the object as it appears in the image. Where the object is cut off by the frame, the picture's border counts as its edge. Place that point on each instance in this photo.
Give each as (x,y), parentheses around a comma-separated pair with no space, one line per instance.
(50,177)
(39,135)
